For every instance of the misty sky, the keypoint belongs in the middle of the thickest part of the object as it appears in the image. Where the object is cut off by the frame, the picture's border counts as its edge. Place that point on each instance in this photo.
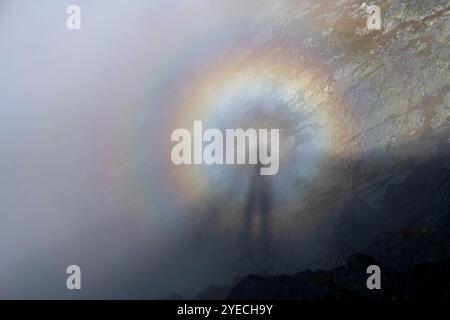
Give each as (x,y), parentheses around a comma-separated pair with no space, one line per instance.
(77,134)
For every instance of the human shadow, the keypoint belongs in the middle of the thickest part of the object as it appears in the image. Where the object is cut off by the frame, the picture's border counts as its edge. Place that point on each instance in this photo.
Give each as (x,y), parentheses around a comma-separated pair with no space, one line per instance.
(256,228)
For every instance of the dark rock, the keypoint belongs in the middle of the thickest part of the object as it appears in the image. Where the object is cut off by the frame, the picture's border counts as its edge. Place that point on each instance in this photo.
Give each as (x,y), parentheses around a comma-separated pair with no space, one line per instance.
(213,293)
(421,282)
(173,296)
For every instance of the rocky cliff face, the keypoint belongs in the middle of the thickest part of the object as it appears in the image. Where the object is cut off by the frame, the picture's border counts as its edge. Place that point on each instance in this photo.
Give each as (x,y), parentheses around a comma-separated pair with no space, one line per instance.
(399,77)
(421,282)
(387,192)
